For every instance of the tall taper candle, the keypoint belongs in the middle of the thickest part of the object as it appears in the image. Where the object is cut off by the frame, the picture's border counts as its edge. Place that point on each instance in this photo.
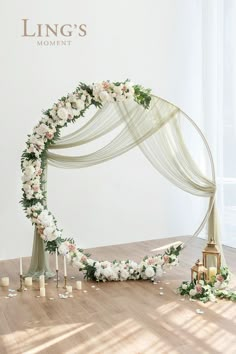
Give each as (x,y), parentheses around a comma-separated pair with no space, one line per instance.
(21,268)
(65,270)
(56,260)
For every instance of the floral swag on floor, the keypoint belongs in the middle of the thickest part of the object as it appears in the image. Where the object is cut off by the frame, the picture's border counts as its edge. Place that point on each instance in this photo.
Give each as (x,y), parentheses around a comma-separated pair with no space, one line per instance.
(34,160)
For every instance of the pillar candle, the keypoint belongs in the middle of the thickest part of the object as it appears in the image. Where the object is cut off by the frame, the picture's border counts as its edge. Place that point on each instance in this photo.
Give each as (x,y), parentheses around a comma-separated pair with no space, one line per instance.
(212,272)
(42,281)
(42,292)
(65,270)
(69,288)
(79,285)
(56,260)
(21,268)
(28,281)
(5,281)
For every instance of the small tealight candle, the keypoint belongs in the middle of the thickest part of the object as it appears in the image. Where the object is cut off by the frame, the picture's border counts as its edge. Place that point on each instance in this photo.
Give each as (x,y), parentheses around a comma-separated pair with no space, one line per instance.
(79,285)
(42,292)
(69,288)
(42,281)
(5,281)
(28,281)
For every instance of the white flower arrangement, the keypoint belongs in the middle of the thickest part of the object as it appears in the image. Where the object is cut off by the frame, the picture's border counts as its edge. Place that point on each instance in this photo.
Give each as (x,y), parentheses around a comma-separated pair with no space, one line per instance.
(68,109)
(208,291)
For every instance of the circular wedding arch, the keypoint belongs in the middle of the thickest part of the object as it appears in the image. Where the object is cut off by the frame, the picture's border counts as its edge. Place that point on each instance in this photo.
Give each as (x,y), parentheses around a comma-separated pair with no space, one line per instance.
(144,116)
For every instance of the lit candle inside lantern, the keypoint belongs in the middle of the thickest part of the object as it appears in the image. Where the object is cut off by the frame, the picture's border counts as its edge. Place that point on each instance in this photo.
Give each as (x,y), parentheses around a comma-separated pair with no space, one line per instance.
(28,281)
(21,267)
(56,260)
(65,270)
(5,281)
(42,292)
(69,288)
(42,281)
(79,285)
(212,272)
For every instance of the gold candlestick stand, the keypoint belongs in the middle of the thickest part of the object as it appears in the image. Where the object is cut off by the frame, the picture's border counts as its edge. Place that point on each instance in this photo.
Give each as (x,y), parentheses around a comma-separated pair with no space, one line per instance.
(65,282)
(21,283)
(57,278)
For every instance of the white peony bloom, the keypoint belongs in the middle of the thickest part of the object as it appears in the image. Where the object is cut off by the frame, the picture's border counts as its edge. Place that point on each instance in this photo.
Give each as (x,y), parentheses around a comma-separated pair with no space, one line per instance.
(45,219)
(63,248)
(107,272)
(49,233)
(117,89)
(104,96)
(149,272)
(41,129)
(184,286)
(62,113)
(29,171)
(124,274)
(192,292)
(79,104)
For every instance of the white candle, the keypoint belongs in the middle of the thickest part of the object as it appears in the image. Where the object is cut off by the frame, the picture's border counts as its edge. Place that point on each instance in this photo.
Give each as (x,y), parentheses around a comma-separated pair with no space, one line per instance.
(69,288)
(28,281)
(212,272)
(42,292)
(56,260)
(79,285)
(5,281)
(42,281)
(21,268)
(65,270)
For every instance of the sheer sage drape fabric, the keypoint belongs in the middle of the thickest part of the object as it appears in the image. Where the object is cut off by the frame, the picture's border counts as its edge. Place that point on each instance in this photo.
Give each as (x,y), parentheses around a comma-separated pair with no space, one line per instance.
(157,132)
(39,263)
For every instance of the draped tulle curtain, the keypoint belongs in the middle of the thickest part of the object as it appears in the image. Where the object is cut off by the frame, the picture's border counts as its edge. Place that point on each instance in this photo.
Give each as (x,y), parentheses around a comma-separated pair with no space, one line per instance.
(157,132)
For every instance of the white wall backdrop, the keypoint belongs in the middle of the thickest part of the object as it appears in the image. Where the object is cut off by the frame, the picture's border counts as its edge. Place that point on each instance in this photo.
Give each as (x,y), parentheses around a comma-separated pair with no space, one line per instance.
(154,43)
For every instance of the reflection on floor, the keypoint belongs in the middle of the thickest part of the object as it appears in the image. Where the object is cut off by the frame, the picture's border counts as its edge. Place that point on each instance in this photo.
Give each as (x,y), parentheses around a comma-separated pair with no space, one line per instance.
(126,317)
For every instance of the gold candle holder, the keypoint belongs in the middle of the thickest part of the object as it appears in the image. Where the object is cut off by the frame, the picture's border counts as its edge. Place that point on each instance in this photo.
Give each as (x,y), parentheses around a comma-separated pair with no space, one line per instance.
(21,283)
(57,278)
(65,282)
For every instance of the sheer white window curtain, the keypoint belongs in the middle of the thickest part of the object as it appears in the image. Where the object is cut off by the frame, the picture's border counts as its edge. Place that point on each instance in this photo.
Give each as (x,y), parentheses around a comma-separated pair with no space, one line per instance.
(219,103)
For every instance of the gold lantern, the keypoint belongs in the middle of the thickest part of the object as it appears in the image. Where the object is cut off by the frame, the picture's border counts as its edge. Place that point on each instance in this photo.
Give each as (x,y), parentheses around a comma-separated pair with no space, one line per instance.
(198,271)
(211,258)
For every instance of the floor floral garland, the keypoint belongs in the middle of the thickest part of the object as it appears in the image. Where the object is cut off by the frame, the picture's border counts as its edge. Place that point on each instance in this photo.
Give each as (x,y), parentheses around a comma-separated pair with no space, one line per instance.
(209,290)
(67,110)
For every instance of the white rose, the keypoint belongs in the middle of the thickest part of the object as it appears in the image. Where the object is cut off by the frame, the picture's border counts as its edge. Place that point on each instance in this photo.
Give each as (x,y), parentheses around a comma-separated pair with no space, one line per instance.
(62,113)
(184,286)
(149,272)
(192,292)
(80,104)
(104,96)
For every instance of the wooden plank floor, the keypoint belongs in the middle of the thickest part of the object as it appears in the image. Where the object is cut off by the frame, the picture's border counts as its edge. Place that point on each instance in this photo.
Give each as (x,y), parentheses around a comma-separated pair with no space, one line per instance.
(126,317)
